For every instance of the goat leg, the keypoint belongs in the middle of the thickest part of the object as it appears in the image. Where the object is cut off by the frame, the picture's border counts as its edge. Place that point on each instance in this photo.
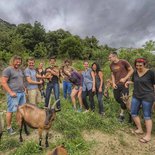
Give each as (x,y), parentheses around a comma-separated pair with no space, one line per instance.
(25,129)
(40,138)
(46,140)
(20,132)
(1,135)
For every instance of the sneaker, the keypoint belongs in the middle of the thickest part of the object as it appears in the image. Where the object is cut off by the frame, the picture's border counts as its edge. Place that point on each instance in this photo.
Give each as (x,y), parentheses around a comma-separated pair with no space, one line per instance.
(74,108)
(10,131)
(79,110)
(102,114)
(86,111)
(121,118)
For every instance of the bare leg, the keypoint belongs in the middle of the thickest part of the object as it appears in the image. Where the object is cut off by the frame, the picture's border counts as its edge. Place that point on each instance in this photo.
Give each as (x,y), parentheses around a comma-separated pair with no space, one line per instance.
(148,124)
(73,95)
(80,98)
(8,119)
(138,124)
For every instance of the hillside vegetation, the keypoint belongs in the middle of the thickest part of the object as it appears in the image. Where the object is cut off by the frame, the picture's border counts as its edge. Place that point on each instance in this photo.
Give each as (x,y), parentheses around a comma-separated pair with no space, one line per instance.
(80,133)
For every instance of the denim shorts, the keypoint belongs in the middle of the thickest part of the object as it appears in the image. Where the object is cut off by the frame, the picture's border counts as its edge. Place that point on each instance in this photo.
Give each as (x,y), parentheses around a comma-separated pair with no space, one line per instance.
(146,107)
(14,102)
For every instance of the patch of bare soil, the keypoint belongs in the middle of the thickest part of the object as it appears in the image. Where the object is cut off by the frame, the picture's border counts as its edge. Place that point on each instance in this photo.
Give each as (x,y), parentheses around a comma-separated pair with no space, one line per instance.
(119,143)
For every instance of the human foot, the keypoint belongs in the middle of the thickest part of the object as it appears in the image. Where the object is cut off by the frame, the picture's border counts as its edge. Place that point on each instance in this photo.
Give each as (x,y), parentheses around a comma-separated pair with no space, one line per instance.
(143,140)
(138,131)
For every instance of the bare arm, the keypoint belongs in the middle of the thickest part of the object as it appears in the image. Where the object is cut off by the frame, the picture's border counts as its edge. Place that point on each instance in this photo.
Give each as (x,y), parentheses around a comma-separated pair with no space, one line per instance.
(93,77)
(101,81)
(130,72)
(55,72)
(30,81)
(127,83)
(113,81)
(6,86)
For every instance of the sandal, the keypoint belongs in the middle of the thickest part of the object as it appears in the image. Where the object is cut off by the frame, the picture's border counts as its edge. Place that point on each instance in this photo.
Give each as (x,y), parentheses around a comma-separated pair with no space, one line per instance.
(142,140)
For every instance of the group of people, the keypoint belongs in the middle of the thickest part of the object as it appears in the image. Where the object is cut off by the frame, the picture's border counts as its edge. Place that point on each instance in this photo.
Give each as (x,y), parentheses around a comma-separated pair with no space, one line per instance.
(143,79)
(88,82)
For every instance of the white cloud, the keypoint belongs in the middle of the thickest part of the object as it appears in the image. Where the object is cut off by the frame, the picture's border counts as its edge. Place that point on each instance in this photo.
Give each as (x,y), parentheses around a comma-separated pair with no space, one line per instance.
(117,23)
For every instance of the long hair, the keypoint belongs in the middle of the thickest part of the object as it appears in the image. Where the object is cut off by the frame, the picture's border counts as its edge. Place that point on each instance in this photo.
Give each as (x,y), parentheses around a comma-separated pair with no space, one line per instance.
(15,57)
(97,67)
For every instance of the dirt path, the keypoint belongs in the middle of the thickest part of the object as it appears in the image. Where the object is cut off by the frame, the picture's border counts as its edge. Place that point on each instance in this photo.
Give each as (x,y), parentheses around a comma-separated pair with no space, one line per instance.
(120,143)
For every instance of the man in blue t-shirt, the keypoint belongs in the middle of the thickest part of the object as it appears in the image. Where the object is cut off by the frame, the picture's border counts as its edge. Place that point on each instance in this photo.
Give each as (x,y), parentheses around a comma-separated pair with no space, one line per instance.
(34,95)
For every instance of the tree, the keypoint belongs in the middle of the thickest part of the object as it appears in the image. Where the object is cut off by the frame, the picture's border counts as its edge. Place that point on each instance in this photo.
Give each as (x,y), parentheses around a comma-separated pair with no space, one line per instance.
(16,46)
(40,50)
(5,40)
(149,45)
(31,35)
(71,47)
(53,41)
(91,42)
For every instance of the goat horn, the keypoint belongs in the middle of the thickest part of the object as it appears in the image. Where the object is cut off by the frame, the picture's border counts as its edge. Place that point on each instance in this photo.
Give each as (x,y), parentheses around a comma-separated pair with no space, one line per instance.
(55,103)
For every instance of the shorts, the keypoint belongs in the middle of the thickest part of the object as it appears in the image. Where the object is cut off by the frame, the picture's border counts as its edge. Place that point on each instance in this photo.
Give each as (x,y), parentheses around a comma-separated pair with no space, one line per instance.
(14,102)
(34,96)
(146,107)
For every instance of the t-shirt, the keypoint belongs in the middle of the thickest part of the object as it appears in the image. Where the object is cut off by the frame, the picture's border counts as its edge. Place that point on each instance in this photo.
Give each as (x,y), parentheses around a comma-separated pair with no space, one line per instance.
(32,74)
(119,69)
(143,86)
(15,79)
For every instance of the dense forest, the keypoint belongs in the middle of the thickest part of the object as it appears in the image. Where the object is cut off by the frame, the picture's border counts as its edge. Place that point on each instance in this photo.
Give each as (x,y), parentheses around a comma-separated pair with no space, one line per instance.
(80,133)
(26,40)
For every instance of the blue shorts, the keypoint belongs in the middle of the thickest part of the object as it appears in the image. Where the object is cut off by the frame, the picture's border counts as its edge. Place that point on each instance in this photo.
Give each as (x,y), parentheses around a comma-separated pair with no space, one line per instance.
(14,102)
(146,107)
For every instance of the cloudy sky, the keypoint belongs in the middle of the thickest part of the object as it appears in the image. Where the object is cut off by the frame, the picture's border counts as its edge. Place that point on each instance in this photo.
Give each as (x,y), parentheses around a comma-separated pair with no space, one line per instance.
(118,23)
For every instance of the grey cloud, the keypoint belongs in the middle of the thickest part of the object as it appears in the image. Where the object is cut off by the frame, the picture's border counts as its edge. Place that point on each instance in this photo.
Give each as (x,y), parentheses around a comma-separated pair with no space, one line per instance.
(120,23)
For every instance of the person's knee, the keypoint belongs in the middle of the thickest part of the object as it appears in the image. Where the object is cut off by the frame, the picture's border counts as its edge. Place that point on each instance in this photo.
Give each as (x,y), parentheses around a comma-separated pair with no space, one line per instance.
(79,97)
(134,112)
(72,96)
(147,115)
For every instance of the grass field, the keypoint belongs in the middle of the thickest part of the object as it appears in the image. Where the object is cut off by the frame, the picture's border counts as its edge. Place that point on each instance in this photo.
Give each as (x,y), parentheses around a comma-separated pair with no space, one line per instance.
(81,133)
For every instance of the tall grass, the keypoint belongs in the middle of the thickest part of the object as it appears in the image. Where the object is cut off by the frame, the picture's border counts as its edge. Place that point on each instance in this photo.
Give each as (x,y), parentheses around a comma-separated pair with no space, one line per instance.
(71,125)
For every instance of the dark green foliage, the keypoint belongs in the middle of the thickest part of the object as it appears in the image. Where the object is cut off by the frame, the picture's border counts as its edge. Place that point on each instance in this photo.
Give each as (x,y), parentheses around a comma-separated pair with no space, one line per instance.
(33,40)
(132,54)
(71,47)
